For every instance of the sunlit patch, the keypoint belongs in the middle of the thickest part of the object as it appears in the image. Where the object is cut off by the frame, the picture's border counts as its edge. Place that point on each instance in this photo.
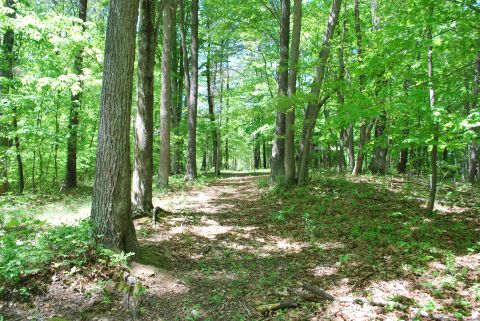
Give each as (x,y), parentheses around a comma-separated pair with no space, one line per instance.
(385,290)
(471,261)
(157,281)
(324,270)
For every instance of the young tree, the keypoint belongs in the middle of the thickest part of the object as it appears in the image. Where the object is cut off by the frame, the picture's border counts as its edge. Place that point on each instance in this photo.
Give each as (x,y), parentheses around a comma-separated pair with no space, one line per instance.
(7,68)
(315,103)
(277,170)
(191,170)
(111,203)
(76,101)
(165,117)
(473,157)
(292,89)
(143,131)
(434,152)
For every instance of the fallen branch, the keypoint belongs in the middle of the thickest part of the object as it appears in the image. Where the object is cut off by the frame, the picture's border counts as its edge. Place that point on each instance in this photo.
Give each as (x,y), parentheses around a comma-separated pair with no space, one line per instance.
(319,292)
(287,304)
(295,303)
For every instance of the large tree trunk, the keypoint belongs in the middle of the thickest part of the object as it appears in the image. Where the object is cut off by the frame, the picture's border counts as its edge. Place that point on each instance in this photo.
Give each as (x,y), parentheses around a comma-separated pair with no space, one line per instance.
(76,101)
(166,103)
(191,170)
(292,89)
(473,157)
(434,152)
(315,104)
(143,131)
(277,171)
(111,203)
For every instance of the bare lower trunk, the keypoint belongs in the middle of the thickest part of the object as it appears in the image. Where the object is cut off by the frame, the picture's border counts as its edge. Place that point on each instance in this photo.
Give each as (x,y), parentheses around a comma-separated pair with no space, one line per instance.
(292,89)
(169,9)
(191,170)
(277,171)
(402,164)
(143,131)
(76,101)
(314,105)
(434,152)
(111,204)
(473,157)
(379,159)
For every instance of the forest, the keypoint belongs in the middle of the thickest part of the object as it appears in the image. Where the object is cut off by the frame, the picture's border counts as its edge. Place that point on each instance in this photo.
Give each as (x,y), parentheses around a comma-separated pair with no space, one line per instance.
(239,160)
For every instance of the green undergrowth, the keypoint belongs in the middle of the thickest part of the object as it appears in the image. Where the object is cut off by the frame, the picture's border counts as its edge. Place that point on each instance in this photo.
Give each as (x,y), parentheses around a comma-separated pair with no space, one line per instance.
(178,183)
(31,251)
(374,218)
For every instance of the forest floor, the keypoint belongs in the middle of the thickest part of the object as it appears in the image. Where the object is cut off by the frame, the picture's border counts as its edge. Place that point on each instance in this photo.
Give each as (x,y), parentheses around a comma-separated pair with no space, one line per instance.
(222,250)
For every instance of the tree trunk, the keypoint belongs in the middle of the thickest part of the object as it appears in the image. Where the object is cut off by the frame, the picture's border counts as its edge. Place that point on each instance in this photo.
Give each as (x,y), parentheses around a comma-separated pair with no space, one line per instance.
(315,104)
(7,65)
(341,97)
(166,103)
(402,164)
(191,171)
(143,131)
(473,157)
(111,203)
(379,159)
(265,165)
(434,152)
(76,101)
(292,89)
(177,110)
(363,127)
(211,112)
(277,171)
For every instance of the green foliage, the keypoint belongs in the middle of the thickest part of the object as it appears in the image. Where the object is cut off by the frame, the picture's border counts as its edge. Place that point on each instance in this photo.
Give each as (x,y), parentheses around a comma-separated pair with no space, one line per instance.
(29,249)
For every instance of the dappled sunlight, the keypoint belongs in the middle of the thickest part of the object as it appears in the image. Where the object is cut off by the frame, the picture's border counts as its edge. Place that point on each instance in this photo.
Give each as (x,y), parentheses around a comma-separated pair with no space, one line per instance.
(320,271)
(158,281)
(56,214)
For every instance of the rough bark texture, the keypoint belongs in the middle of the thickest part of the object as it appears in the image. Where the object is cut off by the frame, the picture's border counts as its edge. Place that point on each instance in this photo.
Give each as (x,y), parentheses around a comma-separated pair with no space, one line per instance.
(111,204)
(473,157)
(166,102)
(434,152)
(314,105)
(191,170)
(292,89)
(143,131)
(277,170)
(76,101)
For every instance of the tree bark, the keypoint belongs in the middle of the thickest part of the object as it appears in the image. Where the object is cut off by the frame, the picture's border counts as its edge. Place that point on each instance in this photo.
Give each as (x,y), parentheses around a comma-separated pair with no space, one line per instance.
(277,170)
(76,102)
(434,152)
(363,127)
(211,112)
(402,164)
(143,131)
(177,109)
(191,171)
(169,9)
(111,203)
(473,157)
(314,105)
(292,89)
